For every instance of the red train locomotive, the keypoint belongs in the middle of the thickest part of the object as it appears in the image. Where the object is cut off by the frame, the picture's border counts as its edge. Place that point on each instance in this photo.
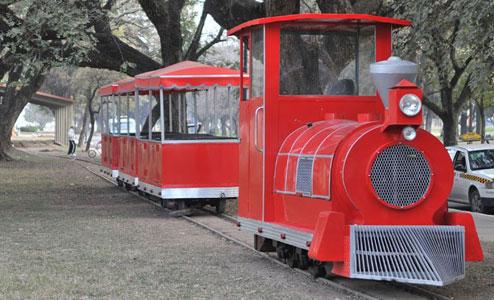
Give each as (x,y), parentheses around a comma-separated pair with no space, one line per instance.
(172,133)
(335,175)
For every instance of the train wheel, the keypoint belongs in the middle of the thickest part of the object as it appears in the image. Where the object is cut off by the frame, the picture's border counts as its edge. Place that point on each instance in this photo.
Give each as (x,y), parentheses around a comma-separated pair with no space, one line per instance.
(303,259)
(180,204)
(328,270)
(292,258)
(281,252)
(221,206)
(316,269)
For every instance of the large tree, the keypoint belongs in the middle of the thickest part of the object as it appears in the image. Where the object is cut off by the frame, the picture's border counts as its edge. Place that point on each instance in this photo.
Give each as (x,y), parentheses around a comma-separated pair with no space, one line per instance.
(453,42)
(36,35)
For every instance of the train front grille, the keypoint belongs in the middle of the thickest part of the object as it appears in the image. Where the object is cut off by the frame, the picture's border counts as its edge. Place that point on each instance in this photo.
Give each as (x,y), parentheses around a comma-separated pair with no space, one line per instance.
(433,255)
(400,175)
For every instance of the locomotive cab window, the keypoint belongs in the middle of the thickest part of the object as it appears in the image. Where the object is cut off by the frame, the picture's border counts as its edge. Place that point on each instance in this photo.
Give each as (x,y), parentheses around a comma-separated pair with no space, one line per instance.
(326,60)
(257,63)
(245,65)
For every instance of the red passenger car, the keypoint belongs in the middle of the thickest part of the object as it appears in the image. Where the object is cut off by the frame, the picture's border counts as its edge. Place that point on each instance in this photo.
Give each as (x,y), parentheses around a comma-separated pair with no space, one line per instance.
(178,128)
(110,130)
(336,175)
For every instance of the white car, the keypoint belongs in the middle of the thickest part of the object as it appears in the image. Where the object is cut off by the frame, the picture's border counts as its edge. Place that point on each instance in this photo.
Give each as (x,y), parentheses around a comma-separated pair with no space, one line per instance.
(474,176)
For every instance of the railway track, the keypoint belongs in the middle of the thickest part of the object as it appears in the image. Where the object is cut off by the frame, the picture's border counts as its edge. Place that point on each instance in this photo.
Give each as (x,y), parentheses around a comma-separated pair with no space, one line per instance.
(222,225)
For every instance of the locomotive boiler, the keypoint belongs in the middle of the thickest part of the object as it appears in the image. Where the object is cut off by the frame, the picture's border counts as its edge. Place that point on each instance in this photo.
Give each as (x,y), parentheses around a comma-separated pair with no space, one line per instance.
(336,174)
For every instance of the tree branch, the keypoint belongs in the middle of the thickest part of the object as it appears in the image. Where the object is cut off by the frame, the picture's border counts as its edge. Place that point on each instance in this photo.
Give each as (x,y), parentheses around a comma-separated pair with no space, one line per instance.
(439,111)
(465,93)
(230,13)
(452,48)
(194,44)
(459,72)
(213,42)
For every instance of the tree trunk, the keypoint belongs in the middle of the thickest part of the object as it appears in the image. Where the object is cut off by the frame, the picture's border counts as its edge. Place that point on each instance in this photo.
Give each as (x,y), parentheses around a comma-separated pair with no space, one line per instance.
(82,136)
(470,117)
(6,124)
(10,109)
(481,120)
(463,122)
(13,102)
(478,119)
(428,120)
(450,129)
(281,7)
(91,129)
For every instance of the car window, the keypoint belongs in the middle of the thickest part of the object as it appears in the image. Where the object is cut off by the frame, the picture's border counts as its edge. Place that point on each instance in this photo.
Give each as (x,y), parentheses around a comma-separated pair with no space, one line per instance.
(460,163)
(482,159)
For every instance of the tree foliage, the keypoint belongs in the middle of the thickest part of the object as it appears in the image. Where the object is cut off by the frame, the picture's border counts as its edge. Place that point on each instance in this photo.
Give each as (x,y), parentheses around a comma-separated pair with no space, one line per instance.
(38,114)
(453,42)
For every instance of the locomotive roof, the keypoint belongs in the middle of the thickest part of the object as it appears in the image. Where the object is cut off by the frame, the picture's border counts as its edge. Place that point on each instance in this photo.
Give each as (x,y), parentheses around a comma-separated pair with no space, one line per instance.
(321,18)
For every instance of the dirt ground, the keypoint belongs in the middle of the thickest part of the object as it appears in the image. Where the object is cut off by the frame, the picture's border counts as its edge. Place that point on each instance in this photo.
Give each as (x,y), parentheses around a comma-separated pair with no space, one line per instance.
(68,234)
(479,279)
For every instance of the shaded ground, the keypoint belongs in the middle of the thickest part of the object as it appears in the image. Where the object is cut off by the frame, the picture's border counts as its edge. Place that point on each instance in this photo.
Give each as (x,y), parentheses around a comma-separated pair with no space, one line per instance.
(67,234)
(66,238)
(479,279)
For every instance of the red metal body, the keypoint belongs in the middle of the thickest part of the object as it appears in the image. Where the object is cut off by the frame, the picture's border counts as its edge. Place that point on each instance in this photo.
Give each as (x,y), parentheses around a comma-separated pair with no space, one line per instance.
(188,165)
(105,151)
(109,143)
(342,135)
(187,168)
(176,169)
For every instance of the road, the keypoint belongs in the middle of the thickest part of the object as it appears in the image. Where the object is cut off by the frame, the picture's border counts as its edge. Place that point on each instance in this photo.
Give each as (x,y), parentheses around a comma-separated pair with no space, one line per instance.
(484,222)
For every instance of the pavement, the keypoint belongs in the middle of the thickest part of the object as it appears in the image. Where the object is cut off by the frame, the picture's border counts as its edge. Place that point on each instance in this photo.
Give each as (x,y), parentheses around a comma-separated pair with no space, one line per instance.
(484,222)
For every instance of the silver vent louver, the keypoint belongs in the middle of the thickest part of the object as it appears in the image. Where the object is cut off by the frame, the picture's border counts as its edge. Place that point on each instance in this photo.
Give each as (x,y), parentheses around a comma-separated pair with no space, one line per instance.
(304,175)
(433,255)
(400,175)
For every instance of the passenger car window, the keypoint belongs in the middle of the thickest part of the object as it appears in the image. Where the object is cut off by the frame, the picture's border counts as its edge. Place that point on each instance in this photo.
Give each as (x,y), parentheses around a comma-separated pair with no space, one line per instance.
(460,163)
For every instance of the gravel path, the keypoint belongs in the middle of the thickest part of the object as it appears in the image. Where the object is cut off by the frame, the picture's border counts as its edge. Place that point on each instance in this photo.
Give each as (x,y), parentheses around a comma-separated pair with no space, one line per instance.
(64,233)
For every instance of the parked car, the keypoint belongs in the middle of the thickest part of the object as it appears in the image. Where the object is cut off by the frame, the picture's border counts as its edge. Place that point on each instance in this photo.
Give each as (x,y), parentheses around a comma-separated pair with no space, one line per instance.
(474,176)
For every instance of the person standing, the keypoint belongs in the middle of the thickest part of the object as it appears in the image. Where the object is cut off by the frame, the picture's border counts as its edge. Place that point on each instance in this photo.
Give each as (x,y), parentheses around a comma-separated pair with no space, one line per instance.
(72,145)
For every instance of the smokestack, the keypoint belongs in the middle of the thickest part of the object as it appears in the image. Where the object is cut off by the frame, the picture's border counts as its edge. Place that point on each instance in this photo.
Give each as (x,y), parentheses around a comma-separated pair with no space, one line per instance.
(386,74)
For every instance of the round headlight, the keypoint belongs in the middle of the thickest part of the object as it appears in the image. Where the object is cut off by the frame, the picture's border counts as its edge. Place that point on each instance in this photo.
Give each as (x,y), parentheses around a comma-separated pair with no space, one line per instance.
(409,133)
(410,105)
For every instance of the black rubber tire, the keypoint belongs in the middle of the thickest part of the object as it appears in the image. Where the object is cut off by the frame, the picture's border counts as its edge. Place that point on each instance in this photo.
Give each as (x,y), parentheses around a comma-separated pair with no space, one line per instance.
(316,270)
(476,203)
(180,204)
(92,153)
